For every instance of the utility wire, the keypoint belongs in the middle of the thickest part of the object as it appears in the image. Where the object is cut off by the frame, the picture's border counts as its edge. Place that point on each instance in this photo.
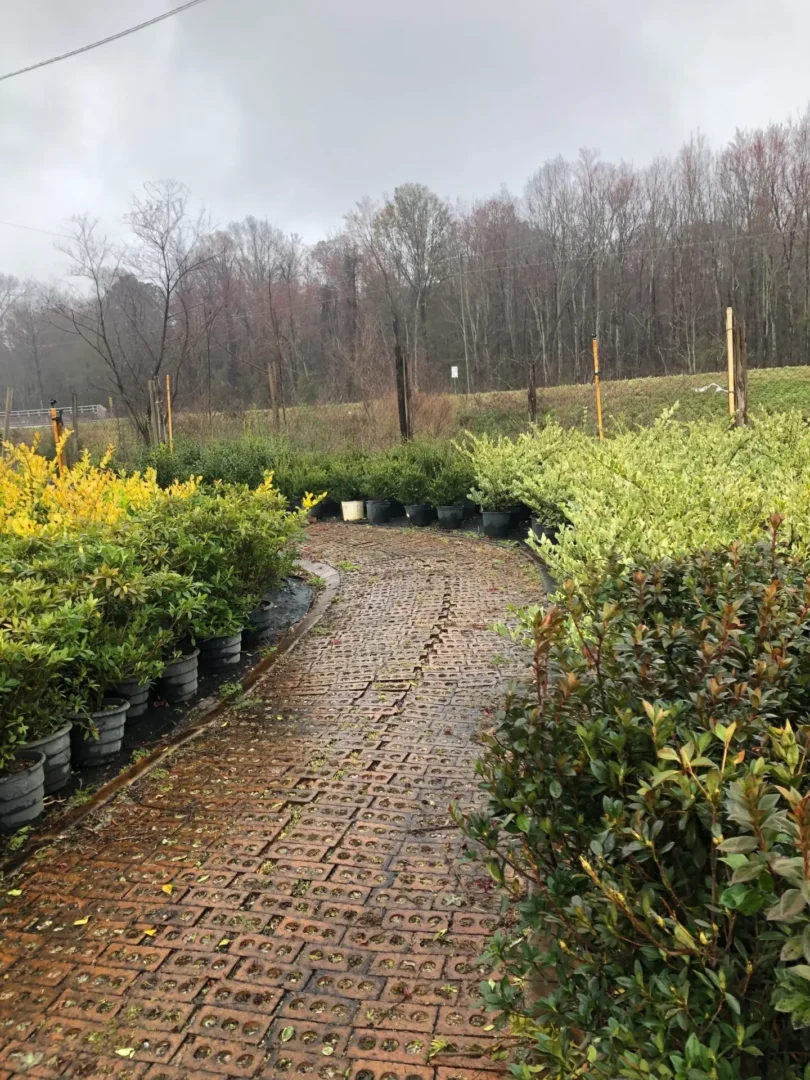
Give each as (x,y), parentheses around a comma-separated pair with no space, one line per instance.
(33,228)
(103,41)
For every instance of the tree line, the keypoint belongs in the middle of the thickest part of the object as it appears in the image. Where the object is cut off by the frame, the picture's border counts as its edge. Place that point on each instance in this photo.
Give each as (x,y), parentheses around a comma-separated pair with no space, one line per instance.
(509,289)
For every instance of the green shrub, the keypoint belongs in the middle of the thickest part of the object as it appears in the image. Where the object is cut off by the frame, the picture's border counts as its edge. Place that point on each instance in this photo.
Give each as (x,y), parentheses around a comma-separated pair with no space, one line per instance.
(415,467)
(234,543)
(648,800)
(131,615)
(298,474)
(43,633)
(380,473)
(496,465)
(230,461)
(452,482)
(666,490)
(345,479)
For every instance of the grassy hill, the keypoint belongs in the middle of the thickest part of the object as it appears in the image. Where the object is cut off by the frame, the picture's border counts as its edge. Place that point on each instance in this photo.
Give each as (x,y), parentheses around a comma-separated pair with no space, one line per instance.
(372,424)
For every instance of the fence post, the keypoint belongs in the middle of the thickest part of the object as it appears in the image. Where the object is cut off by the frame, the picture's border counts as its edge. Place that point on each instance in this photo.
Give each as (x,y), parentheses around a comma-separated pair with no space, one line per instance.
(7,419)
(169,412)
(597,386)
(58,428)
(154,413)
(74,402)
(730,350)
(740,376)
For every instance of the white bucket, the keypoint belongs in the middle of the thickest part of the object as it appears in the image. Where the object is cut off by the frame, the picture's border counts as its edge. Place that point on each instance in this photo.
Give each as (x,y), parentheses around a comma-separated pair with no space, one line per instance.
(353,510)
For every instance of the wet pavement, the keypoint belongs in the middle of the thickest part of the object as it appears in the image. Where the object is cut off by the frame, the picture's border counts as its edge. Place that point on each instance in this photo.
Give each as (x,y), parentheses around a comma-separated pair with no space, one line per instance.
(286,896)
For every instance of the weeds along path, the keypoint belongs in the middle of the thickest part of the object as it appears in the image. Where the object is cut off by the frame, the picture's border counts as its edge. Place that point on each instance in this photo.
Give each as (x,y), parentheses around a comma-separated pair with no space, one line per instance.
(285,896)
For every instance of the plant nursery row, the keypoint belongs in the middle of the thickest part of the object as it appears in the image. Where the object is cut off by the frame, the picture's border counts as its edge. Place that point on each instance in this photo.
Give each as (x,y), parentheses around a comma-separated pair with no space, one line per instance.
(110,584)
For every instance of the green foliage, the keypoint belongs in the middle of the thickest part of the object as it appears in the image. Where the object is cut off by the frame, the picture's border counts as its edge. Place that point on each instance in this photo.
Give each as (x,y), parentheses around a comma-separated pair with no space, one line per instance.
(496,463)
(451,484)
(346,477)
(233,543)
(137,611)
(19,839)
(299,474)
(669,489)
(380,473)
(648,805)
(80,613)
(424,469)
(230,461)
(43,633)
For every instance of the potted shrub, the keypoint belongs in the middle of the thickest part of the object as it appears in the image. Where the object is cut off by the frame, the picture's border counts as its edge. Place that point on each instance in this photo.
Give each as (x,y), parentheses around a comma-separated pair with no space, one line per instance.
(302,474)
(379,483)
(494,465)
(43,629)
(448,489)
(36,650)
(236,544)
(547,520)
(345,484)
(413,467)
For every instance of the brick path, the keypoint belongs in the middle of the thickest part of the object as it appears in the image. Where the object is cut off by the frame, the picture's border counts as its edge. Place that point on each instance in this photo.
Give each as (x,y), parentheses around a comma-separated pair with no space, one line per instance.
(285,897)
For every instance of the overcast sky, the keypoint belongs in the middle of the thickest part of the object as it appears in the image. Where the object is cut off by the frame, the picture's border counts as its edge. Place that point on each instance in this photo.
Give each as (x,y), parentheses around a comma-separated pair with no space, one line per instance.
(294,109)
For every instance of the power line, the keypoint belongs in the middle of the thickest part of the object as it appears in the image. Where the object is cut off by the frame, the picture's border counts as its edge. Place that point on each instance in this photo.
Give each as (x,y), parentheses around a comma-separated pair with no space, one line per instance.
(103,41)
(33,228)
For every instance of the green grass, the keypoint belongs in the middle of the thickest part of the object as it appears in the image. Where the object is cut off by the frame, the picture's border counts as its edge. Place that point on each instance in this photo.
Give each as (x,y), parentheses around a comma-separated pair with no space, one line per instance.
(373,425)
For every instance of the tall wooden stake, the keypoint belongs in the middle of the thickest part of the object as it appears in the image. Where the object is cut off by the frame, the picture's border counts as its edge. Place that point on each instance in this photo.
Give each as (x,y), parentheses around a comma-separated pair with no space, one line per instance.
(153,413)
(7,419)
(730,350)
(169,412)
(464,319)
(74,408)
(740,376)
(58,429)
(597,386)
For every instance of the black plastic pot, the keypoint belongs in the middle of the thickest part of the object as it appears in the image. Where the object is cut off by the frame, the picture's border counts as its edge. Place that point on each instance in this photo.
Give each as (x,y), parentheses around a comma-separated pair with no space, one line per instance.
(519,514)
(549,532)
(136,694)
(56,748)
(450,517)
(179,680)
(420,514)
(22,793)
(110,724)
(220,653)
(378,511)
(259,627)
(497,523)
(470,509)
(397,509)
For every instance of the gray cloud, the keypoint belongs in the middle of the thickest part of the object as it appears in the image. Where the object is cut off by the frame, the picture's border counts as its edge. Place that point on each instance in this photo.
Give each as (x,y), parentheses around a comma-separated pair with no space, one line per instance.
(294,109)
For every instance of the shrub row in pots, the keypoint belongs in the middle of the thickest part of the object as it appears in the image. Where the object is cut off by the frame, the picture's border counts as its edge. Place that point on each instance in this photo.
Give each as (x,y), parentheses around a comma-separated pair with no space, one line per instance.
(424,479)
(107,583)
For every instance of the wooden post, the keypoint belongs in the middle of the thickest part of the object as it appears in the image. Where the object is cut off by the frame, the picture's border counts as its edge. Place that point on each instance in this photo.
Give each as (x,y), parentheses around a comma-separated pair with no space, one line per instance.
(597,386)
(74,408)
(730,351)
(154,419)
(740,376)
(58,429)
(169,412)
(7,419)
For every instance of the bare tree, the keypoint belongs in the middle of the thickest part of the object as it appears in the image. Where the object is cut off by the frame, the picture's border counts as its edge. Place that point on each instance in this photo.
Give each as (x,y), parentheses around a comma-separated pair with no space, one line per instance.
(383,270)
(133,310)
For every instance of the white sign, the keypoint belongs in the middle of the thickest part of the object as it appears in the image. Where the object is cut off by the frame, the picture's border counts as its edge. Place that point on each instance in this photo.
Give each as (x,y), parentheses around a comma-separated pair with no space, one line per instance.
(453,372)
